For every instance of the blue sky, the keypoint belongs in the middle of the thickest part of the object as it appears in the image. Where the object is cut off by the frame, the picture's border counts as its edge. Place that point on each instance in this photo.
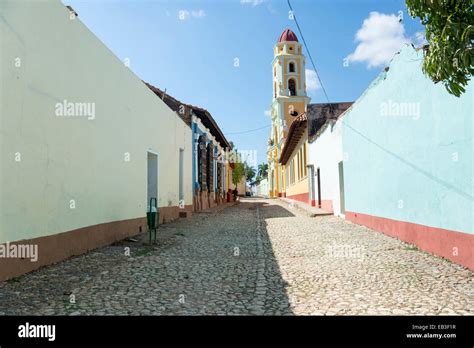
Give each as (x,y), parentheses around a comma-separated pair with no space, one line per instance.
(189,48)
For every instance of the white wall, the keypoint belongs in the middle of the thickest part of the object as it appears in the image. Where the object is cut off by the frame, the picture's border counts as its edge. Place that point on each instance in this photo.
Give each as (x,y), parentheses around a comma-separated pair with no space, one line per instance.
(262,188)
(326,152)
(73,158)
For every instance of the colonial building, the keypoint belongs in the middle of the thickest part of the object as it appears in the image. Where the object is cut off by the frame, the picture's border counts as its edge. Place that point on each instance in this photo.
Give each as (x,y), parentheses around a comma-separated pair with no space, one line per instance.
(84,142)
(211,168)
(408,167)
(294,159)
(325,162)
(308,157)
(291,174)
(211,165)
(289,103)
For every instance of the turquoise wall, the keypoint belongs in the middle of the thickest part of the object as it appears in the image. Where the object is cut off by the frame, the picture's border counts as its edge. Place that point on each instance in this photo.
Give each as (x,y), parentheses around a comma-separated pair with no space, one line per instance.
(411,166)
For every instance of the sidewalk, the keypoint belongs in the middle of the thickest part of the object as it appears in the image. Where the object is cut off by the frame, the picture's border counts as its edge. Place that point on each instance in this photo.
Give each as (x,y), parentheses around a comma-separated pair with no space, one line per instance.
(216,208)
(309,210)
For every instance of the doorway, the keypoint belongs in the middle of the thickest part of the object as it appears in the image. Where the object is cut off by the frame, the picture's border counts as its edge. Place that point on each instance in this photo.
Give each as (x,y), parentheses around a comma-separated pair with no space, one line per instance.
(311,183)
(341,187)
(152,177)
(318,174)
(181,178)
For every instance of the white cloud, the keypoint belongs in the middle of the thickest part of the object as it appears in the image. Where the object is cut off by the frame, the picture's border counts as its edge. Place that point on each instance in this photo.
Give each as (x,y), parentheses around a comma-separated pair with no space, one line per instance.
(380,37)
(312,82)
(251,2)
(267,113)
(185,14)
(420,39)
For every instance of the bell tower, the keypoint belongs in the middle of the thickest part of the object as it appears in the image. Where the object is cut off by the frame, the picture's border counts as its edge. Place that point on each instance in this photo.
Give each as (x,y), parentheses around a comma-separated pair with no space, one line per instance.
(289,101)
(289,83)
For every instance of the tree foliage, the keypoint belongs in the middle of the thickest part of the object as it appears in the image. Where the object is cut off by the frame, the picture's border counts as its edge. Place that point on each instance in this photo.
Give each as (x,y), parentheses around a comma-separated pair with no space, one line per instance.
(263,170)
(249,172)
(237,173)
(449,26)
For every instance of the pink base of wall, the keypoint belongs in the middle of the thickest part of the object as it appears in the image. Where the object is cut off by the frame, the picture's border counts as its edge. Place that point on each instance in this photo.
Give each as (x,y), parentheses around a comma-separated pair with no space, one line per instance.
(326,204)
(301,197)
(455,246)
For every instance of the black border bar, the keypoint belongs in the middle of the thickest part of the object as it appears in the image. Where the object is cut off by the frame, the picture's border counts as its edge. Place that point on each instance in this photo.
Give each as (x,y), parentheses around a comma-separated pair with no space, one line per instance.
(245,330)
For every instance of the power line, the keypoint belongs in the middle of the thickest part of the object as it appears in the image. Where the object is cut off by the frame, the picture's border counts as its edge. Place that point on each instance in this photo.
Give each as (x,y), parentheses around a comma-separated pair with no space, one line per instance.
(248,131)
(312,63)
(307,50)
(390,153)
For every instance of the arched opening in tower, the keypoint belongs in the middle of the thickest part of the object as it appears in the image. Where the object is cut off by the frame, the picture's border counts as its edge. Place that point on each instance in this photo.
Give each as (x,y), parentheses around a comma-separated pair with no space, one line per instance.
(292,86)
(291,67)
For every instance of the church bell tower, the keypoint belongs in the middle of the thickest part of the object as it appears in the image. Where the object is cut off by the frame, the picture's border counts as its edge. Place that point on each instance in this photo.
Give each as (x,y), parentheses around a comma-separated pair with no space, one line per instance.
(289,101)
(289,83)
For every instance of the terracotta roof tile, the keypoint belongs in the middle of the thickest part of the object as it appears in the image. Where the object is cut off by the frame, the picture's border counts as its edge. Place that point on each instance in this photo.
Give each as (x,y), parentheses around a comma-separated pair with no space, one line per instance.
(204,115)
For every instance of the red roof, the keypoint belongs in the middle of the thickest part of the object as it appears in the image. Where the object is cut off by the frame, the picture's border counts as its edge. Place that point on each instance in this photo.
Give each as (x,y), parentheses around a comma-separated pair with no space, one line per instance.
(297,128)
(287,35)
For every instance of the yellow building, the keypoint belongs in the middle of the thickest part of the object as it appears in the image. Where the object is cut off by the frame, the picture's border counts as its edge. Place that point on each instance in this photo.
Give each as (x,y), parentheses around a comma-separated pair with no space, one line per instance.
(294,159)
(289,103)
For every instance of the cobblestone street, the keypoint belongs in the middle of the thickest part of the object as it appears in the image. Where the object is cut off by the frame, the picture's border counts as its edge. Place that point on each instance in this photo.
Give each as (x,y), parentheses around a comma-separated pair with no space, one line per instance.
(256,257)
